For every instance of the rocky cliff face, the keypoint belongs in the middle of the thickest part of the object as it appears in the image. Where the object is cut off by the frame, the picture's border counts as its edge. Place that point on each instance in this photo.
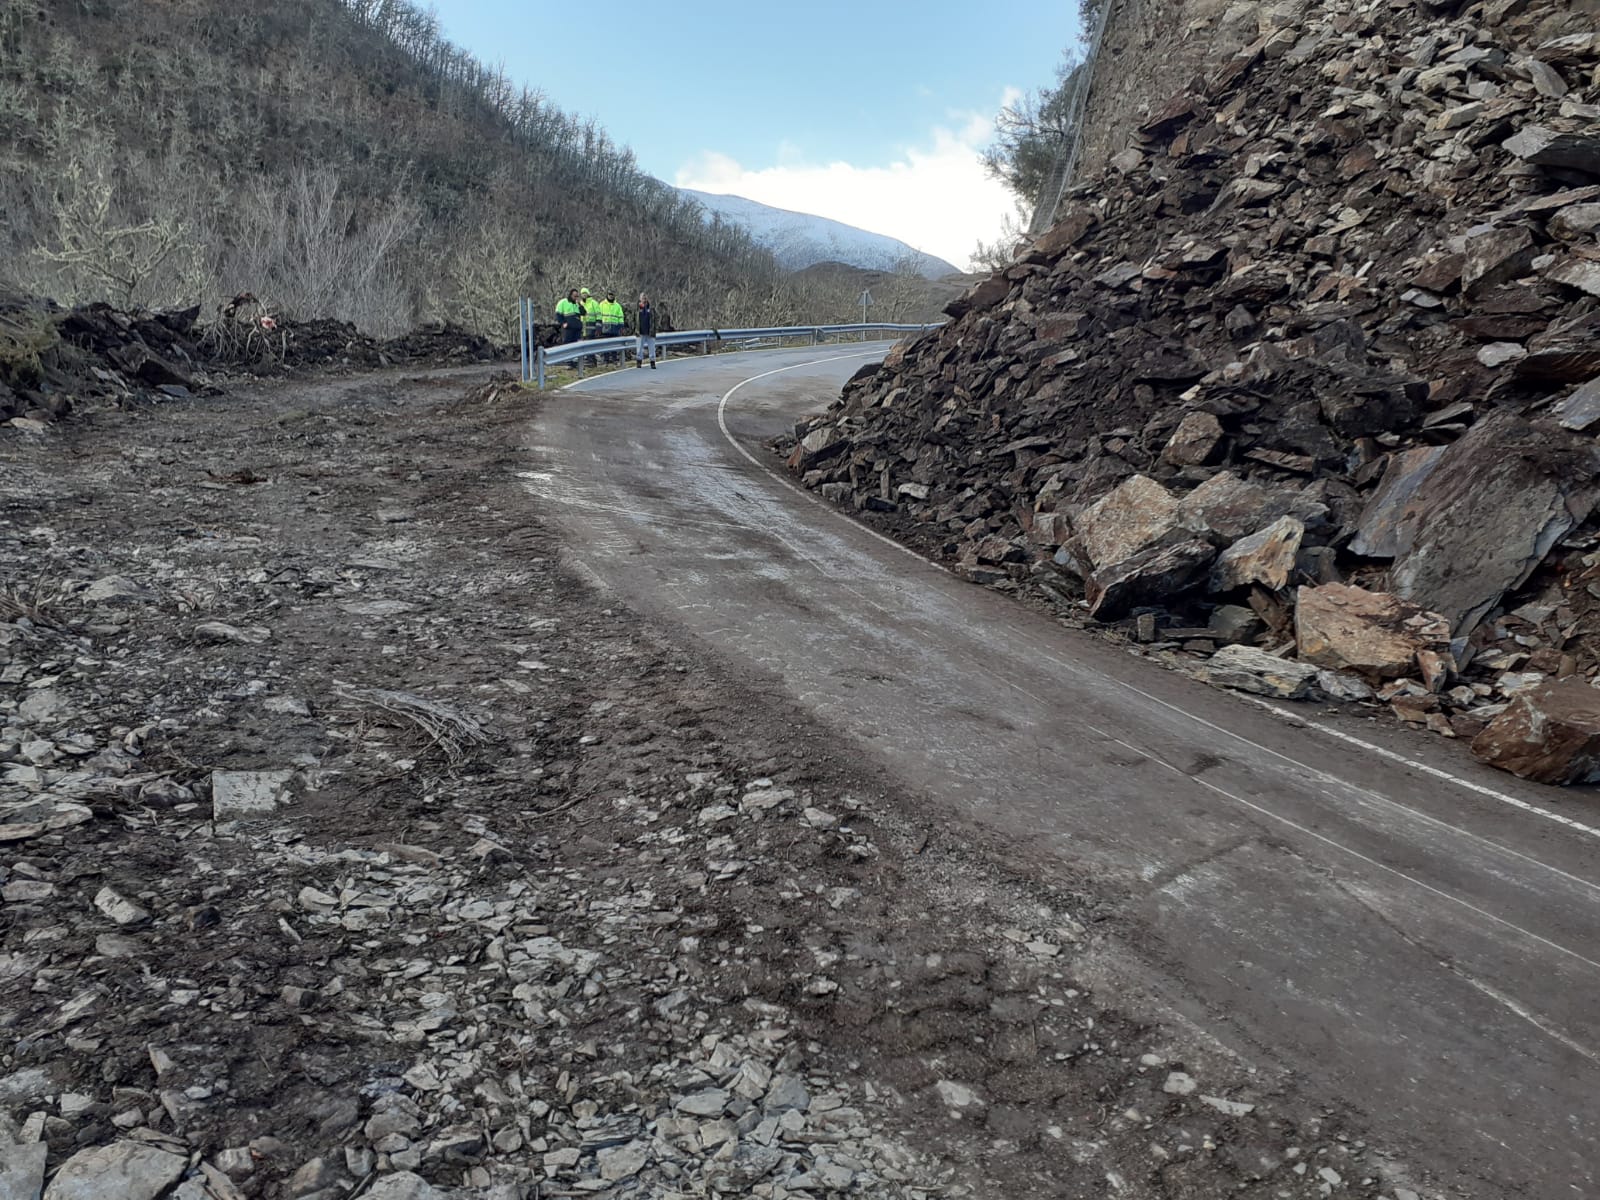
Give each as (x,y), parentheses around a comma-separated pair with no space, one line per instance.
(1327,316)
(1151,50)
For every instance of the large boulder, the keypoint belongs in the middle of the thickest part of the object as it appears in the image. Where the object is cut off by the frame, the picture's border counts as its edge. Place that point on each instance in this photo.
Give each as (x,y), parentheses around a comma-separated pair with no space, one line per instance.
(1346,628)
(1266,557)
(1230,508)
(1486,514)
(1132,517)
(1549,734)
(1152,576)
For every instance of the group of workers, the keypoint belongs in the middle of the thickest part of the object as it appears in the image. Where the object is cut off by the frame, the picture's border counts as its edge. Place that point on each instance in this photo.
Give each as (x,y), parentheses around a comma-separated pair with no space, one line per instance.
(581,316)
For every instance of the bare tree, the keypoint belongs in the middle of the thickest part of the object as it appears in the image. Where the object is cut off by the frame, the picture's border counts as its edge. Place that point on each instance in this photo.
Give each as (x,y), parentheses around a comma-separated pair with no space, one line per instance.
(98,246)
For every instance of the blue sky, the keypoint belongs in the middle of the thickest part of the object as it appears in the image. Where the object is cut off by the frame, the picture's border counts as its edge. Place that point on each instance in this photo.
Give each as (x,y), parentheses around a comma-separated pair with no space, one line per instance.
(869,113)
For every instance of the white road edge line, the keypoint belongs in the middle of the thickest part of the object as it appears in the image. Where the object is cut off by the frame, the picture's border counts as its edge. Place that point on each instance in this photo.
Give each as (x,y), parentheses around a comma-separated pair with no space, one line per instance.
(1310,723)
(722,423)
(1356,854)
(1436,772)
(1532,1018)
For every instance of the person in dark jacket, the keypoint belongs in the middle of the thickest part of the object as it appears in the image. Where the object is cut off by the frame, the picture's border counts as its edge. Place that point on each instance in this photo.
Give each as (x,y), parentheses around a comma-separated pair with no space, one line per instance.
(647,333)
(569,316)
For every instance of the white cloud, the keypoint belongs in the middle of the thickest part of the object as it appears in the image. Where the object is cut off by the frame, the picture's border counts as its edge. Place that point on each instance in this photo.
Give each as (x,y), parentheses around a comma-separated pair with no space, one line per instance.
(935,196)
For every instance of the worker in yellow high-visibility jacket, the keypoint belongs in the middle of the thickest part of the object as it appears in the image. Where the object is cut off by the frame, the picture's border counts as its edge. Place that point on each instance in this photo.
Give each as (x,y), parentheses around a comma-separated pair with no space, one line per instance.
(612,321)
(591,318)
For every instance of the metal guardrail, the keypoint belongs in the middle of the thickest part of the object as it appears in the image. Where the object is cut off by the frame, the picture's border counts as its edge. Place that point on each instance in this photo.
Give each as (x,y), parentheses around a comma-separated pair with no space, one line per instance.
(535,365)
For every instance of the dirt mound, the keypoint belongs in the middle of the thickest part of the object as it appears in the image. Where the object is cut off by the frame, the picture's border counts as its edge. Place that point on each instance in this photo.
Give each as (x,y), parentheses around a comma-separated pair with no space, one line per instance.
(245,334)
(53,360)
(1333,319)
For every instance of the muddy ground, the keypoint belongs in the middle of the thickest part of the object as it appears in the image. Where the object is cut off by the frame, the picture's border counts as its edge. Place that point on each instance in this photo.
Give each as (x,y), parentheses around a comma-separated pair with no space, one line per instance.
(547,905)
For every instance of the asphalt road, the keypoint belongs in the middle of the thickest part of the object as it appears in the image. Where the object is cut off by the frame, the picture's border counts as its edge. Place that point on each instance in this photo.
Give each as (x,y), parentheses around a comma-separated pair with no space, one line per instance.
(1412,934)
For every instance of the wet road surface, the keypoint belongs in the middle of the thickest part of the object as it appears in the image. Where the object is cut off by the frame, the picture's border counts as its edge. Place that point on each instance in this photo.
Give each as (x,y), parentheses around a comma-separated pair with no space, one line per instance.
(1413,935)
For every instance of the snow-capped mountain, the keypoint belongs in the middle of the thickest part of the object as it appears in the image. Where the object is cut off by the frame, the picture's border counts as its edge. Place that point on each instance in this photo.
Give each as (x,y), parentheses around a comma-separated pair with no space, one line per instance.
(800,240)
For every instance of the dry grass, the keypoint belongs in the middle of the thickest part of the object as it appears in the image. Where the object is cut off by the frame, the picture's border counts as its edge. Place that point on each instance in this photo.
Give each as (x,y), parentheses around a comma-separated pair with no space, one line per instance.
(450,731)
(36,602)
(24,337)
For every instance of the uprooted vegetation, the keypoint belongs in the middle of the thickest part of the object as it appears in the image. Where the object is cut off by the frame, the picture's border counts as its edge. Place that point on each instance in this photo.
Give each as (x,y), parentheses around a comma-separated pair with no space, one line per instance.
(1327,331)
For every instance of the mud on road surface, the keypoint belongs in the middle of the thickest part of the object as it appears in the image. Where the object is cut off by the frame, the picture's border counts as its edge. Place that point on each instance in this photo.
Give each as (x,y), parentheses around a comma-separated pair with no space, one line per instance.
(351,845)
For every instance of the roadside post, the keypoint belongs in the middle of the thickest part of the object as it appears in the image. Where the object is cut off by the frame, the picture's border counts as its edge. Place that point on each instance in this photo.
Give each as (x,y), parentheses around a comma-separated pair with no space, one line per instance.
(528,336)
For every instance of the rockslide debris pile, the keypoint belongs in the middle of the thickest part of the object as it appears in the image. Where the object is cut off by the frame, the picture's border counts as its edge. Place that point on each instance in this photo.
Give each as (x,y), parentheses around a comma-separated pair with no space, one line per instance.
(54,359)
(1314,368)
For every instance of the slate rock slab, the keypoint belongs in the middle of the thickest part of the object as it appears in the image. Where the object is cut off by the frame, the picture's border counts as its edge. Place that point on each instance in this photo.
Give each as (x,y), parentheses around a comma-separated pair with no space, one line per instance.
(1246,669)
(1374,634)
(1549,734)
(125,1170)
(1487,514)
(247,795)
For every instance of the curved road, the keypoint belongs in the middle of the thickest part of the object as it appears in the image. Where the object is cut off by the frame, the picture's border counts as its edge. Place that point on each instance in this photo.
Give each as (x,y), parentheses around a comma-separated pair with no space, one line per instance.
(1413,934)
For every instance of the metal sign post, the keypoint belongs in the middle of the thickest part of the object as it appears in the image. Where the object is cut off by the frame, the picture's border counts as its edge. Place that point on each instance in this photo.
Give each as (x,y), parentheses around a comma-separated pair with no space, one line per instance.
(866,300)
(525,336)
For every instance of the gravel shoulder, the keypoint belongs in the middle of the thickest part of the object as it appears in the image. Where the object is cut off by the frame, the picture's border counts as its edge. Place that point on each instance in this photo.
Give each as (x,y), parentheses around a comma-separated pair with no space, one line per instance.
(350,845)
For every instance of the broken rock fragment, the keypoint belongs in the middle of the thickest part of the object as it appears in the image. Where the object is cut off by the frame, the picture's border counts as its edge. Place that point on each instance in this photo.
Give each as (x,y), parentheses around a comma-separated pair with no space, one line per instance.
(1195,440)
(1487,514)
(1549,733)
(247,795)
(1581,409)
(1577,273)
(1246,669)
(1266,557)
(1545,147)
(126,1170)
(1149,576)
(119,908)
(817,447)
(21,1169)
(1133,516)
(1231,623)
(1496,256)
(1379,532)
(1229,507)
(1374,634)
(403,1185)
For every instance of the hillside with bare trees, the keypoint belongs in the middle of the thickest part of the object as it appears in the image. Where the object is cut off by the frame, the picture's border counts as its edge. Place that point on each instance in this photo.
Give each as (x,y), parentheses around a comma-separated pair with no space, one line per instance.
(338,158)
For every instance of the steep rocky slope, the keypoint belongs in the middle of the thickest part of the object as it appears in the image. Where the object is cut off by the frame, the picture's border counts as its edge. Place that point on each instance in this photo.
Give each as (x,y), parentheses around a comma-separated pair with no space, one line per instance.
(338,158)
(1310,368)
